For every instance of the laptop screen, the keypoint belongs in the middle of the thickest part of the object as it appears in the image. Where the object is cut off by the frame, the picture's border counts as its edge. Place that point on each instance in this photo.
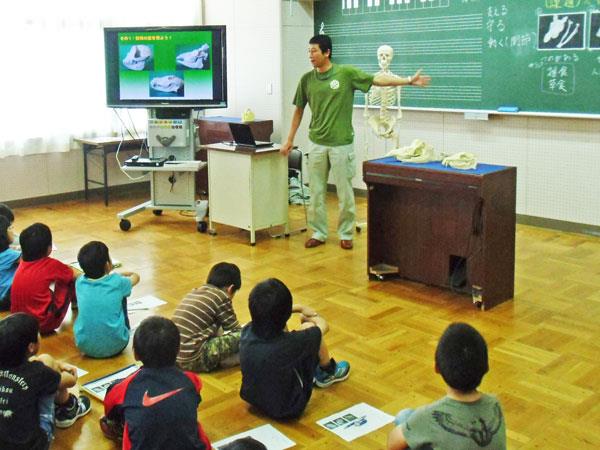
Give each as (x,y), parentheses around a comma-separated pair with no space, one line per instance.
(242,135)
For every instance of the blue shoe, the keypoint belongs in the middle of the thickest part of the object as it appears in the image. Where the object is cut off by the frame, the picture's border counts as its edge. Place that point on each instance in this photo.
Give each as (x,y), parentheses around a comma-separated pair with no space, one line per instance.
(325,379)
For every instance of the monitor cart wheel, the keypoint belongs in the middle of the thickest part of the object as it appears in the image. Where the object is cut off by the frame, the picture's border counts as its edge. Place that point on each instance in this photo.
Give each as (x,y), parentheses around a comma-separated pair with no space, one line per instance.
(125,225)
(157,212)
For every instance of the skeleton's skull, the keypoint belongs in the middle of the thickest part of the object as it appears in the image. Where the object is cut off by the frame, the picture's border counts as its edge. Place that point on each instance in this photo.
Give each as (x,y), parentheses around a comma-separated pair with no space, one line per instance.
(385,54)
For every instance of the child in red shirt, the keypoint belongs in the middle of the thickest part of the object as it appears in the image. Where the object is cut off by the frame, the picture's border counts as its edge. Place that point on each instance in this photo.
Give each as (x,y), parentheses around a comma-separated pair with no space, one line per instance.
(43,286)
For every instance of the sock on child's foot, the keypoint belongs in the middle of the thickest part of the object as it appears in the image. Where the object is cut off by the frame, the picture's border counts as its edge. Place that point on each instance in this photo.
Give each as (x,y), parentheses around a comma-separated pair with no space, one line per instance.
(330,367)
(69,404)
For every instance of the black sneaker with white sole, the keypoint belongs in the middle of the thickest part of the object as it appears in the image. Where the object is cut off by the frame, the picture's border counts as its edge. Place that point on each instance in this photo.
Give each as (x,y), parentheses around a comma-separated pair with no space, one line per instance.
(73,409)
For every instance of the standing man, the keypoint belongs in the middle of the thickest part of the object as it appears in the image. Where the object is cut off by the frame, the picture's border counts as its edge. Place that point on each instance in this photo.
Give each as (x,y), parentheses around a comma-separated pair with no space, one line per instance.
(329,91)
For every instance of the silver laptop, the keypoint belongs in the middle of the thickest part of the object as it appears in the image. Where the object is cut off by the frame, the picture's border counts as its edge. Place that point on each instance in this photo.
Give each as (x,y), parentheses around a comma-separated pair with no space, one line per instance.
(242,136)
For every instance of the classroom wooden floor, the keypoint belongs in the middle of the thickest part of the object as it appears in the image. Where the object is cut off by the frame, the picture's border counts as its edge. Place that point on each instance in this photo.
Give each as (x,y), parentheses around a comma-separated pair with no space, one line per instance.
(544,345)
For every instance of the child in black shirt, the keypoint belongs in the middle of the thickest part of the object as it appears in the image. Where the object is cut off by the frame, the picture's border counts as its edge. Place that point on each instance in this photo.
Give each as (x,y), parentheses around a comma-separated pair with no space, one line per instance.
(33,389)
(279,367)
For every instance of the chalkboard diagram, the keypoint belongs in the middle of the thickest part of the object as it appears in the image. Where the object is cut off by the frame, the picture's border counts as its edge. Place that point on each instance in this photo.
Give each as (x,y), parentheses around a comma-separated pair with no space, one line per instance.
(595,31)
(536,55)
(561,31)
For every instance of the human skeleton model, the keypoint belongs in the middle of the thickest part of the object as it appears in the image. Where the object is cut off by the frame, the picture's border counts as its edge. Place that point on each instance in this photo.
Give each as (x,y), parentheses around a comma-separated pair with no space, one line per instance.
(383,123)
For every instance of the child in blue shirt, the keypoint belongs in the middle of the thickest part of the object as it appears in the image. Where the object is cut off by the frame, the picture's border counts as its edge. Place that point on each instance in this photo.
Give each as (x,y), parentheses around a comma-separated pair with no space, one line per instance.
(101,329)
(9,260)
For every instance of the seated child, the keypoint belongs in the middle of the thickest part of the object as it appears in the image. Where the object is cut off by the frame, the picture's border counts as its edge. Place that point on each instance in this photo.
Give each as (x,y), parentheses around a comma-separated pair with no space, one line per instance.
(279,366)
(246,443)
(465,418)
(33,390)
(157,406)
(9,260)
(7,213)
(43,286)
(210,331)
(102,303)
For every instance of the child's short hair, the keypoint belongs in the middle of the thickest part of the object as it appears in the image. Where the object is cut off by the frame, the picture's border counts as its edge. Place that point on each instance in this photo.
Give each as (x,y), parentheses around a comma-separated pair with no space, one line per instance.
(246,443)
(17,331)
(223,275)
(35,240)
(4,226)
(462,357)
(92,258)
(270,305)
(156,342)
(5,211)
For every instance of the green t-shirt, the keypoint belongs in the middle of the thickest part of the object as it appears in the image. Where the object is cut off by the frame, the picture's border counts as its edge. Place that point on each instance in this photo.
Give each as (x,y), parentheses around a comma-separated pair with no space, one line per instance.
(330,96)
(450,424)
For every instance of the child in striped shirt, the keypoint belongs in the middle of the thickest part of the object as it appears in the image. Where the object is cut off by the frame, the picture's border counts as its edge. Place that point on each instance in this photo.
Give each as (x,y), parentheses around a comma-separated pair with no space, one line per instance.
(209,329)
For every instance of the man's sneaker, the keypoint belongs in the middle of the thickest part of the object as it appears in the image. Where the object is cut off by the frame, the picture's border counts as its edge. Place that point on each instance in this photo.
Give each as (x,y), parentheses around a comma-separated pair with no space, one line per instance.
(67,414)
(324,379)
(111,429)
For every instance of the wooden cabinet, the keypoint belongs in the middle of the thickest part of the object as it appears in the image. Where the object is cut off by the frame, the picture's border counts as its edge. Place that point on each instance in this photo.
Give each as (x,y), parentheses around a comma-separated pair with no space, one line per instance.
(432,223)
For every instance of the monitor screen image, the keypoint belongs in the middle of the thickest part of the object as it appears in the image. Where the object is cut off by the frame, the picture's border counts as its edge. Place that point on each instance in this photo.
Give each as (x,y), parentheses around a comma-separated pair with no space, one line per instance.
(150,67)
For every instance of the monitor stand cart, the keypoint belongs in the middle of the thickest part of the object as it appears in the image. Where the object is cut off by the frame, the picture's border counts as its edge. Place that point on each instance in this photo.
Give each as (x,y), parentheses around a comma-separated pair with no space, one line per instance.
(172,186)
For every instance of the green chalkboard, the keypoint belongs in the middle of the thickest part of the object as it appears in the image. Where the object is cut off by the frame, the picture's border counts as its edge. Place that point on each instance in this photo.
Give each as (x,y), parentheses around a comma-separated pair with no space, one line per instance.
(537,55)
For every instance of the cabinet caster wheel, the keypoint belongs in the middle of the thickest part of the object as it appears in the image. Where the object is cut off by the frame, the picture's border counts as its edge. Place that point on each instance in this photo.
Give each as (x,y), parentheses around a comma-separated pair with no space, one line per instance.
(202,227)
(125,225)
(157,212)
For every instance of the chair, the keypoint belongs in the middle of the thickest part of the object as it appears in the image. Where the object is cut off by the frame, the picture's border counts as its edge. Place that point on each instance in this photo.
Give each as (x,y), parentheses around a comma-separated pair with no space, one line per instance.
(295,170)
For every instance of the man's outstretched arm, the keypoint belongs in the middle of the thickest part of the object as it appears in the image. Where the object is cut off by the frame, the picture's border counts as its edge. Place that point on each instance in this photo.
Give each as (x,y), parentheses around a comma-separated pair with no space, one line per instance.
(417,79)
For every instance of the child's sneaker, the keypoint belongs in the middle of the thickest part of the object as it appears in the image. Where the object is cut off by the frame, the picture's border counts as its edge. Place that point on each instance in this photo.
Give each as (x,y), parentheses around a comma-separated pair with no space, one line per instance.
(325,378)
(111,429)
(67,414)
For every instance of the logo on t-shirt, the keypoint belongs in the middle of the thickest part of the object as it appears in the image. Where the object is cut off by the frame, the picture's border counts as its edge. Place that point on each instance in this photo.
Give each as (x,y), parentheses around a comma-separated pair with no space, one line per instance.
(150,401)
(481,430)
(335,84)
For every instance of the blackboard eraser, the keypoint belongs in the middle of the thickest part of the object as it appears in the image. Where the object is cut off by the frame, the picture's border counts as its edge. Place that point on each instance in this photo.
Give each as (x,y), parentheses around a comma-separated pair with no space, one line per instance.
(510,109)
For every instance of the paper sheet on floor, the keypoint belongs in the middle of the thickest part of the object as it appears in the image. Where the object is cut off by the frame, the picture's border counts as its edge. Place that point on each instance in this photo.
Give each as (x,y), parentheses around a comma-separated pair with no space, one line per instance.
(268,435)
(355,421)
(145,302)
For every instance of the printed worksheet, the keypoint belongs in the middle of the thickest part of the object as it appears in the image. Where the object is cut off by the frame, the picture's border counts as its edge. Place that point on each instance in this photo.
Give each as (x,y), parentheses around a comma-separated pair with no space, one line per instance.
(355,421)
(268,435)
(98,387)
(145,302)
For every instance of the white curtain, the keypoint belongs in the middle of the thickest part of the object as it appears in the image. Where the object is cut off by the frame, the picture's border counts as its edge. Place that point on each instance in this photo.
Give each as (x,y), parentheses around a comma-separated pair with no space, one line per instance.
(52,73)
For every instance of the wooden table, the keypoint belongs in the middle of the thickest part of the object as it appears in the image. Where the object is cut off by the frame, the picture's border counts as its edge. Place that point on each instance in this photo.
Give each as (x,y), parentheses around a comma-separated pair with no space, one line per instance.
(104,145)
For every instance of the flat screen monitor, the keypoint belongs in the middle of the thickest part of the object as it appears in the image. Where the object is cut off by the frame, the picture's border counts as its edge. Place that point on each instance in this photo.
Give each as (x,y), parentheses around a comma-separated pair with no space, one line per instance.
(153,67)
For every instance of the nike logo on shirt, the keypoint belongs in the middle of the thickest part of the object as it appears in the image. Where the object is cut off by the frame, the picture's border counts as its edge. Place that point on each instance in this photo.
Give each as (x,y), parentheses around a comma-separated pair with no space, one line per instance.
(150,401)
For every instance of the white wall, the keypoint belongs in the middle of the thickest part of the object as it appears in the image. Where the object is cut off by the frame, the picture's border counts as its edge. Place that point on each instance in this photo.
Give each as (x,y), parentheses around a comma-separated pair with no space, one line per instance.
(254,56)
(297,22)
